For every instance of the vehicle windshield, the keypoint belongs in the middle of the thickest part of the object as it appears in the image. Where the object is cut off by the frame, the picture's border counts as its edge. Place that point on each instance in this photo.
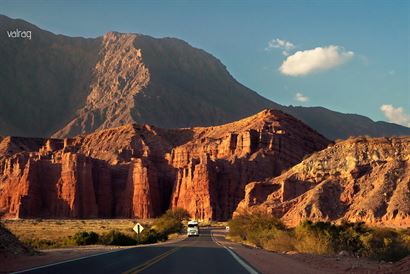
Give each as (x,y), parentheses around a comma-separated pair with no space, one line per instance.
(192,225)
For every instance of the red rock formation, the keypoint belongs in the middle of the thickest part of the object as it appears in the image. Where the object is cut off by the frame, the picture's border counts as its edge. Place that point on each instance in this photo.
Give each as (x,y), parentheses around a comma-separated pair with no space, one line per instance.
(361,179)
(140,171)
(216,166)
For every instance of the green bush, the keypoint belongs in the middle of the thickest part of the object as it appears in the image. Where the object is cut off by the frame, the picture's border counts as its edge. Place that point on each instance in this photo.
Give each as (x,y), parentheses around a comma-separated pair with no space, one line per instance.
(254,227)
(85,238)
(384,244)
(150,236)
(315,238)
(327,238)
(167,225)
(171,221)
(178,213)
(323,238)
(114,237)
(281,241)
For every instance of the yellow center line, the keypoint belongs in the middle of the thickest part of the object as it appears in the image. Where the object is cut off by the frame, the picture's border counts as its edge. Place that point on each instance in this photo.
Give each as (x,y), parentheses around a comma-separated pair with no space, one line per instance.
(150,262)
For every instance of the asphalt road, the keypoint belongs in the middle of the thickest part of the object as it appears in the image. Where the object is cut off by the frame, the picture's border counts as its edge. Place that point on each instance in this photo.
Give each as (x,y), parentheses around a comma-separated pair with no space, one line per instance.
(192,255)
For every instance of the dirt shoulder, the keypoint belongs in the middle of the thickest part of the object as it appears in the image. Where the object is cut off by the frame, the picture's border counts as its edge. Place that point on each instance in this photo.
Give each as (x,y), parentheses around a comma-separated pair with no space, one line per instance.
(294,263)
(51,256)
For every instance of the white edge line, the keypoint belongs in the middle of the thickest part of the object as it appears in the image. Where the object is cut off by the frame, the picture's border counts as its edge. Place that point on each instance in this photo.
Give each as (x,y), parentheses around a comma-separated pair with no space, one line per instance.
(68,261)
(90,256)
(236,257)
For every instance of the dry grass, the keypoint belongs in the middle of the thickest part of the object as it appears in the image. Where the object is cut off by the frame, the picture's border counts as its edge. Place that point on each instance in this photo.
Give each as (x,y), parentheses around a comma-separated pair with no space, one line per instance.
(54,230)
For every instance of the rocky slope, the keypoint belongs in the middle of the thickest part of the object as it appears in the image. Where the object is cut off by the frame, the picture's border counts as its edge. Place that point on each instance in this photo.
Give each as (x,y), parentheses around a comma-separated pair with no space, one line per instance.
(53,84)
(11,246)
(140,171)
(360,179)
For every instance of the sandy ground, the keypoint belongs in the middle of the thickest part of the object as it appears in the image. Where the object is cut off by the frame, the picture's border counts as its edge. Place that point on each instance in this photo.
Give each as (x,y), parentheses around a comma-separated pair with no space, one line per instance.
(50,256)
(58,229)
(293,263)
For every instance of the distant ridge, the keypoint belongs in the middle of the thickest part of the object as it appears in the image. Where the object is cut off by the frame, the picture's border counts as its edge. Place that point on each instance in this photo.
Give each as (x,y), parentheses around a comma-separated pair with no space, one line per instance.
(54,84)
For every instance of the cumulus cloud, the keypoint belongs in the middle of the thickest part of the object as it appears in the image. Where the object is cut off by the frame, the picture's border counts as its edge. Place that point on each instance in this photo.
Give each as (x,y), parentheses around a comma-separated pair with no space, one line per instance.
(277,43)
(313,60)
(396,115)
(301,98)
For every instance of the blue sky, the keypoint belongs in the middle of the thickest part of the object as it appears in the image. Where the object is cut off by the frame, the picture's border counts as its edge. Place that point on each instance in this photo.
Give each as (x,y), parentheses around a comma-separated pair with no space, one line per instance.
(349,56)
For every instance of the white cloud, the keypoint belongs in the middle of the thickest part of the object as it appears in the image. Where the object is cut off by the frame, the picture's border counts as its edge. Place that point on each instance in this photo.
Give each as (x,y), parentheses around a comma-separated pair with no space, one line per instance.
(277,43)
(301,98)
(285,53)
(313,60)
(396,115)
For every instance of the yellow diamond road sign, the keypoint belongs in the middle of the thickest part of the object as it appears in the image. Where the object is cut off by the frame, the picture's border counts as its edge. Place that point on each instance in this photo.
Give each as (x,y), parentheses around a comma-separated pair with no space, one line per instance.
(138,228)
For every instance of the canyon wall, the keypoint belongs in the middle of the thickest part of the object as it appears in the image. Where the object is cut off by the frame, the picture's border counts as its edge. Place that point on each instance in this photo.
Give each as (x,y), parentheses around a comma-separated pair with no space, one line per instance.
(140,170)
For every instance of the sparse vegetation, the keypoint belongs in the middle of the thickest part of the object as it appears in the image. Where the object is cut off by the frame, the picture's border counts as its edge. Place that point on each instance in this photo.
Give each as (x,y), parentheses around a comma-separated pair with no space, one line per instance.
(115,237)
(43,234)
(322,238)
(171,221)
(85,238)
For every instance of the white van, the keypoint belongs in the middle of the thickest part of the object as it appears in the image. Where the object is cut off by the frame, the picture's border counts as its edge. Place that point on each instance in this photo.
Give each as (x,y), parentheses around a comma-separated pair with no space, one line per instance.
(193,228)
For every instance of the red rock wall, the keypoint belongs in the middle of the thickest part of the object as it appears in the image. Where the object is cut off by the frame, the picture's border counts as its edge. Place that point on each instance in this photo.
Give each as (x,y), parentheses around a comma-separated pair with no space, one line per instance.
(140,171)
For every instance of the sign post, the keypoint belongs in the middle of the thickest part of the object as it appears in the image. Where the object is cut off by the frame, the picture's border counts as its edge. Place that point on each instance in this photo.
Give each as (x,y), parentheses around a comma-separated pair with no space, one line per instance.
(138,228)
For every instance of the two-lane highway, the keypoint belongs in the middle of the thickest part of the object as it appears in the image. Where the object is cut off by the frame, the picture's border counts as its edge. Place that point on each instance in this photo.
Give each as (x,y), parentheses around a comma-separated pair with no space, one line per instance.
(192,255)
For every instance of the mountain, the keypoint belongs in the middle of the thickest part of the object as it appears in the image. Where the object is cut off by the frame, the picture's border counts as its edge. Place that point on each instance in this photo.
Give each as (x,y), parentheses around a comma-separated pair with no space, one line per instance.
(360,179)
(138,171)
(65,86)
(43,80)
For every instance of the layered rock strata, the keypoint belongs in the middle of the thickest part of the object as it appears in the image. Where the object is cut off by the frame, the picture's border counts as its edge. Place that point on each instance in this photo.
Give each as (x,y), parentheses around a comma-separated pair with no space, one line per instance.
(140,171)
(360,179)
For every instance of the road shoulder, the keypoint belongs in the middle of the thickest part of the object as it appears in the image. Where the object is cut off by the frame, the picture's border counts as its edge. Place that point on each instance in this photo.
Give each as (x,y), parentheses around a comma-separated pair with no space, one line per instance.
(61,255)
(278,263)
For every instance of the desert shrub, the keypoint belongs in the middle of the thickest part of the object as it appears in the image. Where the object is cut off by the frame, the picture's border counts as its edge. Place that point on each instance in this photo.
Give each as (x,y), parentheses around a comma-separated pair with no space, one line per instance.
(315,238)
(167,225)
(114,237)
(384,244)
(346,236)
(404,235)
(170,222)
(85,238)
(150,236)
(323,238)
(328,238)
(281,241)
(255,227)
(178,213)
(41,243)
(355,238)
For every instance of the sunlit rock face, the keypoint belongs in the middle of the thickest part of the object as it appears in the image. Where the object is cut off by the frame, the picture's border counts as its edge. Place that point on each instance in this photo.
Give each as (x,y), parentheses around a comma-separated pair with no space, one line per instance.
(360,179)
(140,170)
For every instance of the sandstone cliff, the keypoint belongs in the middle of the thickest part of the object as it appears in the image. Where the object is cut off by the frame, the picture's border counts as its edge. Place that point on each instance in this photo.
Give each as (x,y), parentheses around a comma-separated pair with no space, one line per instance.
(140,171)
(361,179)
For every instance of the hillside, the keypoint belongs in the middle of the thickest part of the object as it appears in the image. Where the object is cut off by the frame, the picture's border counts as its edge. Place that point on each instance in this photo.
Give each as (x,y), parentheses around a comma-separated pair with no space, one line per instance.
(360,179)
(65,86)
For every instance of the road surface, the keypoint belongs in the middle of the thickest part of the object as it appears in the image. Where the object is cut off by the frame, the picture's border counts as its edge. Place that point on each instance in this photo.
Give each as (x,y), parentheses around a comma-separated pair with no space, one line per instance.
(193,255)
